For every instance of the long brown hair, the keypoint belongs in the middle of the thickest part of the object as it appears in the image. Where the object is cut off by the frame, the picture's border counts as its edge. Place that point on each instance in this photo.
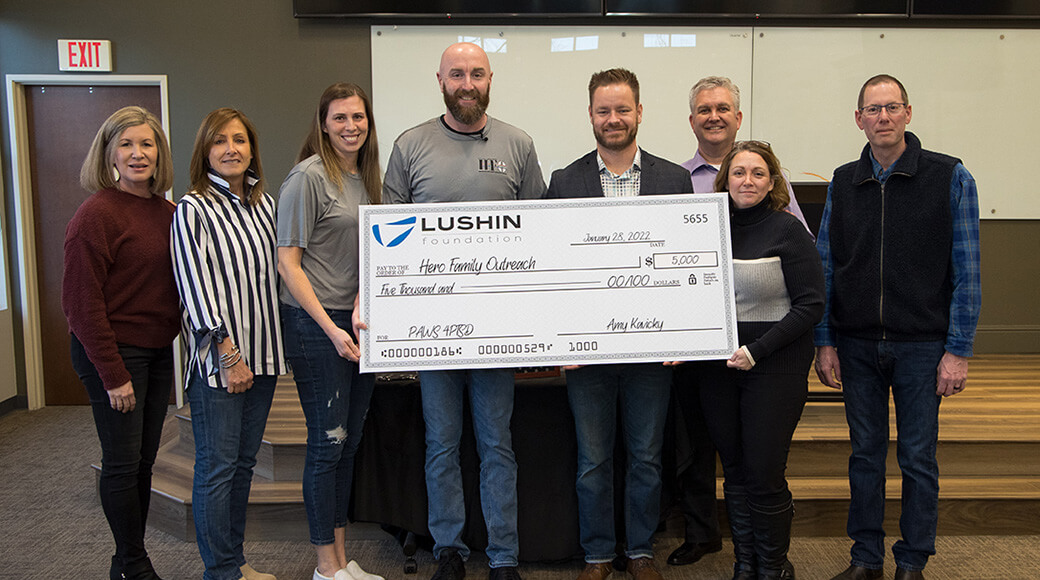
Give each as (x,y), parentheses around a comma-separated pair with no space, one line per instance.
(199,168)
(778,196)
(318,142)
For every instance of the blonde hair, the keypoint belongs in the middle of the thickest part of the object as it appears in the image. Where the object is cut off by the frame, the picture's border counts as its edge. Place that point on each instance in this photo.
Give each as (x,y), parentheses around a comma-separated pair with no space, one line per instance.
(96,173)
(368,156)
(199,168)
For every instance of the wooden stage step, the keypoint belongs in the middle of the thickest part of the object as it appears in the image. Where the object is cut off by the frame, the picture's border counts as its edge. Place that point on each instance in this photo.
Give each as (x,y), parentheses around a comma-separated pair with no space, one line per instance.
(989,459)
(989,456)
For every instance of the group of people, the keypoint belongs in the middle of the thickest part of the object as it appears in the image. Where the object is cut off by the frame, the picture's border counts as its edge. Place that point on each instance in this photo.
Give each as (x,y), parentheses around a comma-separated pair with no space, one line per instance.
(254,291)
(750,403)
(259,291)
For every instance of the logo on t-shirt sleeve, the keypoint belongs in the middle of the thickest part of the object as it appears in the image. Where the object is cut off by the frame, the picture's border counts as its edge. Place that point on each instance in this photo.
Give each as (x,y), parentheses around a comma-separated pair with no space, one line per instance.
(491,166)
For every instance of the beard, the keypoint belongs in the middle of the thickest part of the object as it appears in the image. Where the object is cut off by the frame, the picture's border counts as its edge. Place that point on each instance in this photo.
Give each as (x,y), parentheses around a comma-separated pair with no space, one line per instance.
(467,115)
(616,143)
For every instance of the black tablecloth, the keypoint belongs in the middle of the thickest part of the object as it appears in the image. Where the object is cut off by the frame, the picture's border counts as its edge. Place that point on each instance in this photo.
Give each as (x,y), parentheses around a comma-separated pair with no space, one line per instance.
(390,484)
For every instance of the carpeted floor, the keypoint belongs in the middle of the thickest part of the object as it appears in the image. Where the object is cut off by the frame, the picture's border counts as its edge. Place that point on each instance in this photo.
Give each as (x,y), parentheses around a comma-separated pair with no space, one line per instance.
(52,527)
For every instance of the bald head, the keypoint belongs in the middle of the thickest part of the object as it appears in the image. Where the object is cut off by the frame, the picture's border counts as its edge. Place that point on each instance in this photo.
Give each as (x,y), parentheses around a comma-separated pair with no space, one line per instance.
(465,79)
(463,53)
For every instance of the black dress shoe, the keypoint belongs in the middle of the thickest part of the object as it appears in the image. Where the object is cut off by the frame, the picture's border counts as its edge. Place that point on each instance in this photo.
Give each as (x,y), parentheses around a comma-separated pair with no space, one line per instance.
(690,552)
(450,566)
(902,574)
(860,573)
(504,573)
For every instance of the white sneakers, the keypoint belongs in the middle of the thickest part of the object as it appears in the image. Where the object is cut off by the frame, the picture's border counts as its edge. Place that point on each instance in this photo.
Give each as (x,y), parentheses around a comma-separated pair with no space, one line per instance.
(352,572)
(357,573)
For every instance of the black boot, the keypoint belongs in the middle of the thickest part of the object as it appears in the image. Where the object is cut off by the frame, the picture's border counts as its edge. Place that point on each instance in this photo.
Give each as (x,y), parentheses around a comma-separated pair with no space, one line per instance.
(745,567)
(772,529)
(140,570)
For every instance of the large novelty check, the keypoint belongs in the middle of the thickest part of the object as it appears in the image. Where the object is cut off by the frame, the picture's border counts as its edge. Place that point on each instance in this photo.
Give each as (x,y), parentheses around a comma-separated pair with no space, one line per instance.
(546,282)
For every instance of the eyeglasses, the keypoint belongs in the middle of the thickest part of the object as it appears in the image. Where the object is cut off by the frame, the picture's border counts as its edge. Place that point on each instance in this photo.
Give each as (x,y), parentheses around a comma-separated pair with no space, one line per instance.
(875,110)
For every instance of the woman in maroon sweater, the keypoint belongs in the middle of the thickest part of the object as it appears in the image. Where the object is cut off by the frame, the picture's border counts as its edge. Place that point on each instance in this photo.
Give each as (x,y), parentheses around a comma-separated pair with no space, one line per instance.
(119,296)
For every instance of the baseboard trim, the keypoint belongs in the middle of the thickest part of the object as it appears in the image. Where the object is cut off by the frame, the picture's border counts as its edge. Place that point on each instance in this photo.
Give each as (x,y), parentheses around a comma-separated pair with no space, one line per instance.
(14,403)
(1007,339)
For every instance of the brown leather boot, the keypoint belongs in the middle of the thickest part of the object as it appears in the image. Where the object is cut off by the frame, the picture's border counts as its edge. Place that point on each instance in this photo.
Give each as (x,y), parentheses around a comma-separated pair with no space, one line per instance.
(600,571)
(643,569)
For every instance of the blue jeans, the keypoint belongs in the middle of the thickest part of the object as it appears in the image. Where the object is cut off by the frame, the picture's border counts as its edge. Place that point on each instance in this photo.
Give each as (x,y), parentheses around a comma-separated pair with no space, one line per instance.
(644,391)
(491,402)
(335,399)
(129,443)
(228,429)
(868,368)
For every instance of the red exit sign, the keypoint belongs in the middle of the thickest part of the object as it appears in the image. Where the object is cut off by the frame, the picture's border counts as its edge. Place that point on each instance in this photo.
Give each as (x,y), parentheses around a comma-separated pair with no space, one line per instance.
(84,55)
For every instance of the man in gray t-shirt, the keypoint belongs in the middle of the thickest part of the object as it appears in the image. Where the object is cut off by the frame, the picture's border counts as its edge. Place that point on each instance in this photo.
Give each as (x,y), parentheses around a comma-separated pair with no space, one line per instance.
(465,155)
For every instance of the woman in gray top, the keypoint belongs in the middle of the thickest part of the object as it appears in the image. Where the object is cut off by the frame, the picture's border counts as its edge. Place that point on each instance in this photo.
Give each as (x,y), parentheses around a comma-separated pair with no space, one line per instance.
(337,170)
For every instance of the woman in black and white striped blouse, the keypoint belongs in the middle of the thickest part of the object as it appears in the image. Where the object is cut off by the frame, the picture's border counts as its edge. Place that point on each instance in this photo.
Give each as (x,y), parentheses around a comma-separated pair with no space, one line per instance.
(224,262)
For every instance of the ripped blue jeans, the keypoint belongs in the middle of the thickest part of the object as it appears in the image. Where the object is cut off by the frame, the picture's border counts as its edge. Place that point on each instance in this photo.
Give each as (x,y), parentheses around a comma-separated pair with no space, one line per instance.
(335,399)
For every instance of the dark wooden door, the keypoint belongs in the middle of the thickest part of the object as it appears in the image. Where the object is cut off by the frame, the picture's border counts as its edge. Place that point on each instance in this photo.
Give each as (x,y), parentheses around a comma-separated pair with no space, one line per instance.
(62,121)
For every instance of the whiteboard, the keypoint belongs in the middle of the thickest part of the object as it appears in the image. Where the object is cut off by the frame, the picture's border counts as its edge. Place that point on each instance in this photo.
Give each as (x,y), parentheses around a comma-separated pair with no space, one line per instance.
(973,91)
(541,79)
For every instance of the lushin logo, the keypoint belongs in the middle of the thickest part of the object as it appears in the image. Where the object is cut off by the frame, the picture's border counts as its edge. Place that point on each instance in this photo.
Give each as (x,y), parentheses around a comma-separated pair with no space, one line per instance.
(392,229)
(469,222)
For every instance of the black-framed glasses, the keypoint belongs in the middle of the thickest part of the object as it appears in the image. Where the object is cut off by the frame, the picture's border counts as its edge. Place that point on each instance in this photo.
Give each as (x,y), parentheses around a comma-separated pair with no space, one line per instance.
(875,110)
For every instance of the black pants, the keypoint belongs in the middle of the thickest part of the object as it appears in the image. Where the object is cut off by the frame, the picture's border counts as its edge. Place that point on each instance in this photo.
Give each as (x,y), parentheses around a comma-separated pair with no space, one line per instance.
(129,442)
(696,475)
(752,417)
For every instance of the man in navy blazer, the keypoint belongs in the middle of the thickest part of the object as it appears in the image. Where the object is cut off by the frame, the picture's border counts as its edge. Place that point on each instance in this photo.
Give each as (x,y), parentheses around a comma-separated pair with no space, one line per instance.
(617,148)
(617,168)
(581,178)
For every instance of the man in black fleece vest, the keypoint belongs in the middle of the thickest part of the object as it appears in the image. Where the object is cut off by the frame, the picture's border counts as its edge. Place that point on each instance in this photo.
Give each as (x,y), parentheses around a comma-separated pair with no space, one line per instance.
(899,245)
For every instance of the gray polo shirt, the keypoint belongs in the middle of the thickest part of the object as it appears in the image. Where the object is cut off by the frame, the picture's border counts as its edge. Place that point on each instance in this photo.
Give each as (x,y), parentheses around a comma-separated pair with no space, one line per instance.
(431,163)
(315,215)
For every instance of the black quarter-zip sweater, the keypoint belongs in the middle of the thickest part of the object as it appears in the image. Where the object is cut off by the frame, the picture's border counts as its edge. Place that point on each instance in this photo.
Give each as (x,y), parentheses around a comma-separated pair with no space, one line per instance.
(778,285)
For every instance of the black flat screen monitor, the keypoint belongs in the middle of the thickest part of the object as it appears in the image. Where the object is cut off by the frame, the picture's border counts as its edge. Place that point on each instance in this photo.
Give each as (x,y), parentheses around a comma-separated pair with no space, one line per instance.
(775,8)
(460,8)
(969,8)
